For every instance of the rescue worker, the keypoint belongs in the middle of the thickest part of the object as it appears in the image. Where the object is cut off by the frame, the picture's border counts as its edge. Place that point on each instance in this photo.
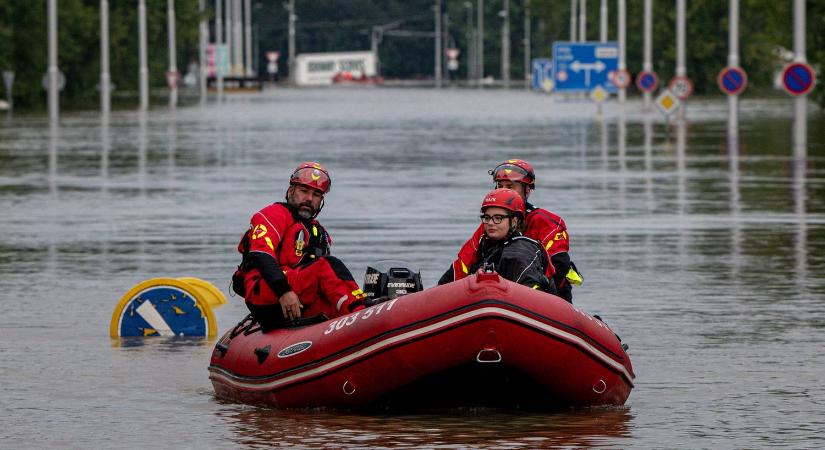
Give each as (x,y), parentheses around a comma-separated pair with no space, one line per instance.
(286,266)
(503,248)
(539,224)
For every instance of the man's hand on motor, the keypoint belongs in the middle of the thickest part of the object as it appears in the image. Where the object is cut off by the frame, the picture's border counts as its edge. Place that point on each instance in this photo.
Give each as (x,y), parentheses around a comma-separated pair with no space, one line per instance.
(290,305)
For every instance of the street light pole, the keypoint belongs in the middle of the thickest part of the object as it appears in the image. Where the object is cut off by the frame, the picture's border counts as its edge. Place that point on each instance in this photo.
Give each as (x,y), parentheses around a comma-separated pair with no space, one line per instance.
(143,69)
(203,38)
(105,78)
(527,49)
(603,21)
(291,43)
(480,46)
(505,45)
(622,66)
(54,99)
(173,59)
(218,53)
(248,37)
(573,4)
(583,21)
(438,49)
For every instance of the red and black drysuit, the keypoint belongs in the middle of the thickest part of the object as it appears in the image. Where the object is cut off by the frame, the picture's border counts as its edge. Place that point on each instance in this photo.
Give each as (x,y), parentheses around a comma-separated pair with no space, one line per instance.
(541,225)
(283,252)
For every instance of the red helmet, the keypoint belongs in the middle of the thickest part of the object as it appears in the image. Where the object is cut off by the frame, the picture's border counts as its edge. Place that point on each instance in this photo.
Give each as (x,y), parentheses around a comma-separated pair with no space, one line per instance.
(504,198)
(312,175)
(517,170)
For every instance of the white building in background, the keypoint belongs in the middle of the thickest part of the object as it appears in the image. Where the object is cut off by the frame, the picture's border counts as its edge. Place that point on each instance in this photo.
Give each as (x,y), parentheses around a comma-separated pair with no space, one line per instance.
(318,69)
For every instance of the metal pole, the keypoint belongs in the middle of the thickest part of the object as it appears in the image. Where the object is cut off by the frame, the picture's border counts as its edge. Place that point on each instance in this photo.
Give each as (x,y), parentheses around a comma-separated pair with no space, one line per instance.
(480,46)
(573,4)
(471,63)
(291,45)
(218,54)
(622,39)
(54,99)
(527,49)
(583,21)
(445,43)
(237,38)
(143,69)
(647,64)
(173,60)
(505,45)
(230,45)
(203,39)
(603,21)
(801,102)
(438,48)
(248,37)
(681,70)
(733,61)
(105,78)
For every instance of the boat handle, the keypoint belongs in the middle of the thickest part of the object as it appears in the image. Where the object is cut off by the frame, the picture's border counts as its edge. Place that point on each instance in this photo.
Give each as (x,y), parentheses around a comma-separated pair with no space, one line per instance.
(488,355)
(350,390)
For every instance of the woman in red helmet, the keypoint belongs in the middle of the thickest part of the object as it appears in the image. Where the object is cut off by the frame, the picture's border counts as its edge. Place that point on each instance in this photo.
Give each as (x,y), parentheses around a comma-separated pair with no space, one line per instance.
(287,271)
(503,248)
(540,224)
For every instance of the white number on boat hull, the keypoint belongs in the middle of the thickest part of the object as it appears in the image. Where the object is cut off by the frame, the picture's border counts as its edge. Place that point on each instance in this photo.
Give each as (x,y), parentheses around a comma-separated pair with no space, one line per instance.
(352,318)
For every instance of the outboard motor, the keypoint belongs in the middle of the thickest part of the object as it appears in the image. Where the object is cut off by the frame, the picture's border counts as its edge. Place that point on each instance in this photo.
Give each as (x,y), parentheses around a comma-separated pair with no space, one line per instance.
(390,279)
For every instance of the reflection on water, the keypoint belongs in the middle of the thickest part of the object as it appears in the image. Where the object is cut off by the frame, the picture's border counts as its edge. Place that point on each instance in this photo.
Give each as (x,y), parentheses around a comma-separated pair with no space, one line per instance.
(705,252)
(452,429)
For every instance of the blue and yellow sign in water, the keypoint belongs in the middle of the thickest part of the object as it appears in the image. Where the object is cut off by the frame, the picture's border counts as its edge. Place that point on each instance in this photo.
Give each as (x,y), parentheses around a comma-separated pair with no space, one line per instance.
(167,307)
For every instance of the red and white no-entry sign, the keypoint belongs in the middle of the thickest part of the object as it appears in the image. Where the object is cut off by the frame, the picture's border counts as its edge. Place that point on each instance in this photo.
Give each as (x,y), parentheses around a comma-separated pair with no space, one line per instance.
(681,87)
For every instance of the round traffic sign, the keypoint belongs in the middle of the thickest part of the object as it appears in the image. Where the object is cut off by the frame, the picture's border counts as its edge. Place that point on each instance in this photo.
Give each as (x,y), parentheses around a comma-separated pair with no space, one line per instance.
(798,78)
(681,86)
(732,80)
(647,81)
(621,79)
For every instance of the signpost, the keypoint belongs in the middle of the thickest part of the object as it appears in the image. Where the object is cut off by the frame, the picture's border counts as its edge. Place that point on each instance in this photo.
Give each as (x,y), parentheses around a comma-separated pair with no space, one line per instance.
(542,72)
(580,67)
(599,95)
(8,80)
(647,81)
(681,86)
(798,78)
(732,80)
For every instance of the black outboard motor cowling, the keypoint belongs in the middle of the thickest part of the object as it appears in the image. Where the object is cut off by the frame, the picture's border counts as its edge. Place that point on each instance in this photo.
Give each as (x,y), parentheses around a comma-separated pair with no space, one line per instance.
(390,279)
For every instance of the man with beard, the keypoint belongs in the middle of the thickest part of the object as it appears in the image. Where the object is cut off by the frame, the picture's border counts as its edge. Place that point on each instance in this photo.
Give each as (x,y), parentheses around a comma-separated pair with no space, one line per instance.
(286,265)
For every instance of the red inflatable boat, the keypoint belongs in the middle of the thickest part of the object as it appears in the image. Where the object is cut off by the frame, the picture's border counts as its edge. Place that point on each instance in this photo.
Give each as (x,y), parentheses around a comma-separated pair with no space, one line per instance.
(481,341)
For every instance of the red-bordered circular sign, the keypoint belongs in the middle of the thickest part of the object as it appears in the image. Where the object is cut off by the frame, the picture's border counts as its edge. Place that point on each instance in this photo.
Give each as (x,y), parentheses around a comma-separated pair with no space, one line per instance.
(798,78)
(647,81)
(621,79)
(732,80)
(681,87)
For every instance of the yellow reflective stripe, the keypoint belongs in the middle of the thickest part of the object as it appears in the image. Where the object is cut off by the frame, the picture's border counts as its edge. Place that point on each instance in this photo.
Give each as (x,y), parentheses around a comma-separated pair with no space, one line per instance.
(549,244)
(269,243)
(574,277)
(464,267)
(535,286)
(314,231)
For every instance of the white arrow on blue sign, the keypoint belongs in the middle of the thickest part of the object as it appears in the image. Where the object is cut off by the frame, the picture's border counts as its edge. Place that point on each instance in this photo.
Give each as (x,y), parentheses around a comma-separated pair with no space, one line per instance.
(582,66)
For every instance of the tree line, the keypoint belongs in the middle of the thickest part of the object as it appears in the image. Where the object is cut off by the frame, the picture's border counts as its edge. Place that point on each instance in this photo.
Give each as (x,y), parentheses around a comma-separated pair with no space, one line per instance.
(766,38)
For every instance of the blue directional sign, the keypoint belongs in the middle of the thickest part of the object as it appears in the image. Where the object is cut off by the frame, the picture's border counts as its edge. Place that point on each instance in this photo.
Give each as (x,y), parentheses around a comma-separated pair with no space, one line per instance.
(542,70)
(581,66)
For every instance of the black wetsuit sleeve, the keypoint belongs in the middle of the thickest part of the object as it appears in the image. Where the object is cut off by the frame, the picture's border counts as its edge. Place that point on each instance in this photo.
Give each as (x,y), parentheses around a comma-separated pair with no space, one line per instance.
(270,271)
(523,261)
(448,277)
(561,262)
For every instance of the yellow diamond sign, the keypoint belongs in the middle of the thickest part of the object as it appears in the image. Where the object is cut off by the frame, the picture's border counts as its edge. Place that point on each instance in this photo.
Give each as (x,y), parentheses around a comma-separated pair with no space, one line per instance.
(667,102)
(598,95)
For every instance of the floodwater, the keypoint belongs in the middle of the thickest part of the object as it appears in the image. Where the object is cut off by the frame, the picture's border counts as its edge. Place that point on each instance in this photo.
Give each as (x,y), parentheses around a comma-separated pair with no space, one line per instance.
(706,254)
